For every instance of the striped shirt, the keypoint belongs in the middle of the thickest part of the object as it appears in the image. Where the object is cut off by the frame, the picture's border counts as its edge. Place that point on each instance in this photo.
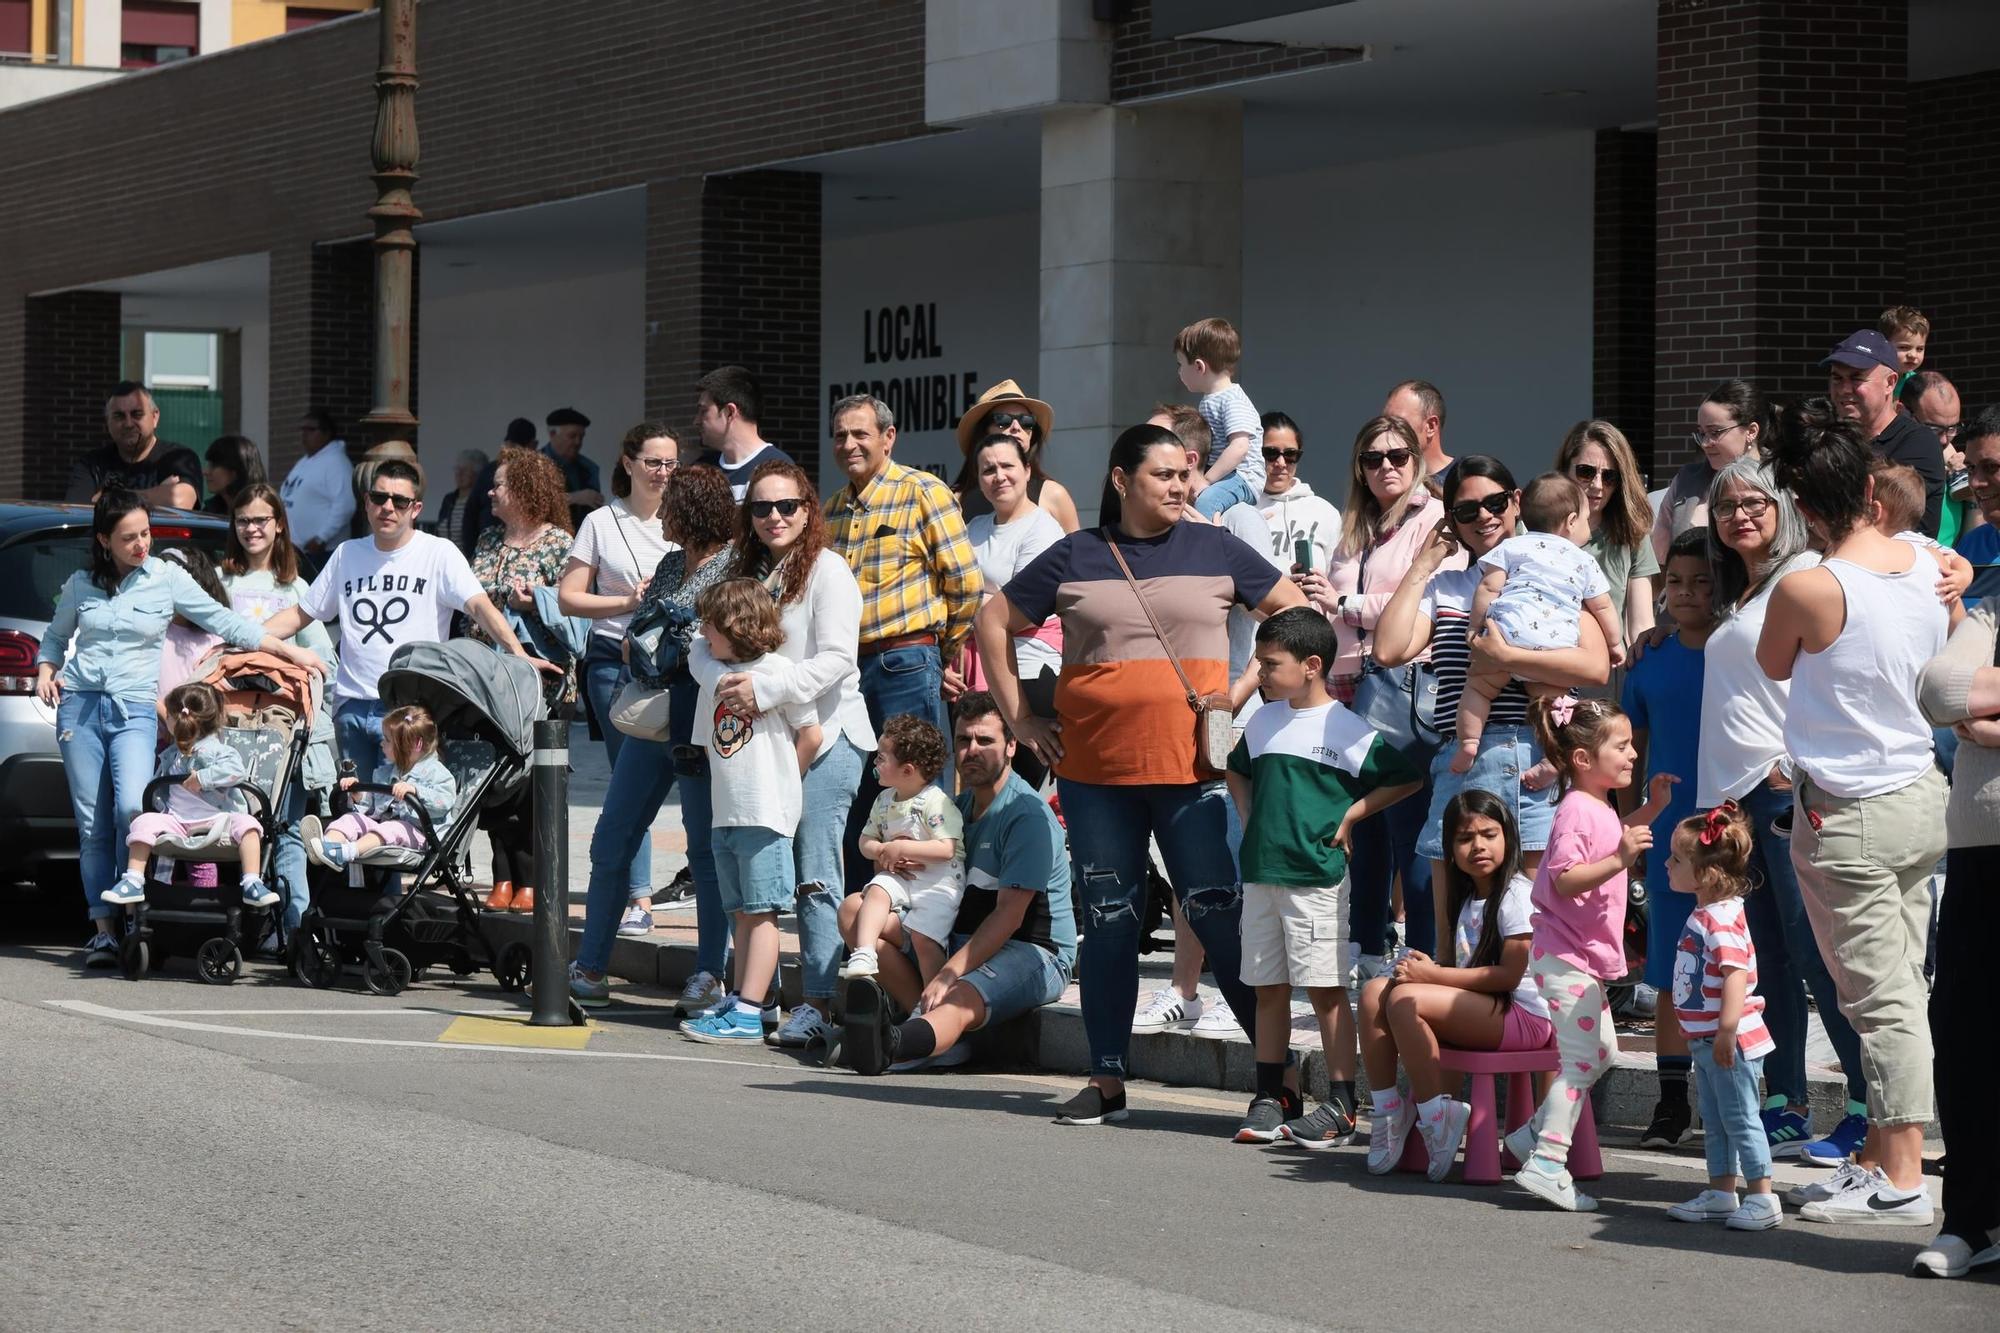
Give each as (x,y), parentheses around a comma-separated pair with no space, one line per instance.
(905,541)
(1448,605)
(1716,940)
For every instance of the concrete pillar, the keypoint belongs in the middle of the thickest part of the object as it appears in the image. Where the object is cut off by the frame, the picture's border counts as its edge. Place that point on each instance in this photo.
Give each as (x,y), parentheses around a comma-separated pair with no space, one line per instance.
(103,32)
(1142,234)
(70,361)
(217,23)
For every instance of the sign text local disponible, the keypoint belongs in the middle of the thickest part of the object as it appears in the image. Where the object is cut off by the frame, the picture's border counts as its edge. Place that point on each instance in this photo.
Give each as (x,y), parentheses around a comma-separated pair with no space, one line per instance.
(895,334)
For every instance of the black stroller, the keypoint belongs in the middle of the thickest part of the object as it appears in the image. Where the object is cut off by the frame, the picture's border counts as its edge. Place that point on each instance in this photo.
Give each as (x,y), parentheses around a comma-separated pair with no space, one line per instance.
(398,910)
(267,722)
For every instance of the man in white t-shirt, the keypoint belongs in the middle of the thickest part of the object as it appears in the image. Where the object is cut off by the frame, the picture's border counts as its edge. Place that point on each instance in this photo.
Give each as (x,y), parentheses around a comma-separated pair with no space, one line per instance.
(319,490)
(393,587)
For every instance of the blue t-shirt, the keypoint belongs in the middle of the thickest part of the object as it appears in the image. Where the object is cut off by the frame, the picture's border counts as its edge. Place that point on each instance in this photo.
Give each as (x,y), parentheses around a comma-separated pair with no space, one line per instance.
(1017,844)
(1663,699)
(1980,545)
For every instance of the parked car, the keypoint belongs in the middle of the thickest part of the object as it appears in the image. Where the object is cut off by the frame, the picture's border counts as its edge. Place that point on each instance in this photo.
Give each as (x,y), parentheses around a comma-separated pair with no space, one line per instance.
(41,545)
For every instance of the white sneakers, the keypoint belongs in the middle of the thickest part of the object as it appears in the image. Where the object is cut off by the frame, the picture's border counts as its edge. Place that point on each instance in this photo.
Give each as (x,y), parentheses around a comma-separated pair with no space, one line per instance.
(861,963)
(1217,1023)
(1955,1256)
(1387,1133)
(1442,1135)
(1166,1010)
(1755,1212)
(1868,1199)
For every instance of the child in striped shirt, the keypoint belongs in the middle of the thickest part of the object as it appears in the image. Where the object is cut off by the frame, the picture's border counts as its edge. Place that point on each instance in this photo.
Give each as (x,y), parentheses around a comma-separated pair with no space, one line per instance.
(1721,1014)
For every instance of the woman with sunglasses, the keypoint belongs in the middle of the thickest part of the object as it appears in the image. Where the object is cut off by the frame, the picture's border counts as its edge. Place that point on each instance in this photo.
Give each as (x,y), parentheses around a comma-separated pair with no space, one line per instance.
(782,542)
(1731,422)
(1597,456)
(1293,513)
(617,549)
(1390,514)
(1428,613)
(1005,410)
(260,572)
(1004,542)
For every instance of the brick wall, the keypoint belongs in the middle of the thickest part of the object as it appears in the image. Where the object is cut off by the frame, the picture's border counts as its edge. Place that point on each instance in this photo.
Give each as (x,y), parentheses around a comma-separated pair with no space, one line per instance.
(1622,277)
(1781,192)
(72,360)
(1145,66)
(1954,196)
(340,331)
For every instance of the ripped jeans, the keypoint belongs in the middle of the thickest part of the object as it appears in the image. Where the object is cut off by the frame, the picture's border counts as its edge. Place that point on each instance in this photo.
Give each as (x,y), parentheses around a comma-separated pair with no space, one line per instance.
(1108,829)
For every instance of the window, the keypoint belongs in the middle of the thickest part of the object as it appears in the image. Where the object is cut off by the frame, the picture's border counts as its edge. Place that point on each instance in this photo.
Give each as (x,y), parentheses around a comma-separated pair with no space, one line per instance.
(181,361)
(17,37)
(155,32)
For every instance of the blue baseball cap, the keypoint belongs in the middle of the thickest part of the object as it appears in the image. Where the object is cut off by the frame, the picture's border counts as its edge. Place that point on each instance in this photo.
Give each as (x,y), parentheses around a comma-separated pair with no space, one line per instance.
(1866,349)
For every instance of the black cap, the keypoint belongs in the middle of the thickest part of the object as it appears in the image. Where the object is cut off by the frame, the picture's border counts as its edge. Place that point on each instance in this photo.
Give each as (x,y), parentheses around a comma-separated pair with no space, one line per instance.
(1865,349)
(568,416)
(519,431)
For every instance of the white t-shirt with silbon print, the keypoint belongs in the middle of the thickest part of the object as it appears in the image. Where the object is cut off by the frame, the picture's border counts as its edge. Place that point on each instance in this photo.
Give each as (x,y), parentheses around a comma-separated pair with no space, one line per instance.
(385,599)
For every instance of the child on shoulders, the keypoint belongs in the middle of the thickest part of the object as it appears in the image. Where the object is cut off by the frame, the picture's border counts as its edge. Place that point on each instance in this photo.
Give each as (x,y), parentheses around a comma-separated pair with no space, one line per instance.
(1209,351)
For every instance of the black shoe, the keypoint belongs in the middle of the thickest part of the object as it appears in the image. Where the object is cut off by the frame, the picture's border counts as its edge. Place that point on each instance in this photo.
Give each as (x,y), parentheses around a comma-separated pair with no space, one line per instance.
(682,887)
(1092,1107)
(868,1038)
(1262,1122)
(1670,1127)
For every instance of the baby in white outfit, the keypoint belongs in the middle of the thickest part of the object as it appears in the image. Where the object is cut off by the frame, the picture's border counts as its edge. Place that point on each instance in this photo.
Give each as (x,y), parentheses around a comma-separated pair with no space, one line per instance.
(1535,588)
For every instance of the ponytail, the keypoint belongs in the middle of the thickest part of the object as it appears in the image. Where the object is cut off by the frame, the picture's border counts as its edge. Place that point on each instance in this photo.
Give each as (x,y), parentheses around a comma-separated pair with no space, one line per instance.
(194,713)
(1565,724)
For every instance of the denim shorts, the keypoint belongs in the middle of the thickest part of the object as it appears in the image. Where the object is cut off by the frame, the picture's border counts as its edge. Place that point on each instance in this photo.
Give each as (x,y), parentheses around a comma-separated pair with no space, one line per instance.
(753,869)
(1019,978)
(1504,754)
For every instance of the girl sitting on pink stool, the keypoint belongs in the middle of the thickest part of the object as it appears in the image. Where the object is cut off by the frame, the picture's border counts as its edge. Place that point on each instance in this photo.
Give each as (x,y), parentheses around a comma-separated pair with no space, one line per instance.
(415,776)
(210,773)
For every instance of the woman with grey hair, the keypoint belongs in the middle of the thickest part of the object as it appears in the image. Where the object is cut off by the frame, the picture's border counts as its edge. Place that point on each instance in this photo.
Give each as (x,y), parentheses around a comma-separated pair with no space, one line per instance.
(452,509)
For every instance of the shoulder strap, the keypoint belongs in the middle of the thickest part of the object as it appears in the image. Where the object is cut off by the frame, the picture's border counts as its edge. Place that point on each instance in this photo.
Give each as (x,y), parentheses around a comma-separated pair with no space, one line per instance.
(1193,699)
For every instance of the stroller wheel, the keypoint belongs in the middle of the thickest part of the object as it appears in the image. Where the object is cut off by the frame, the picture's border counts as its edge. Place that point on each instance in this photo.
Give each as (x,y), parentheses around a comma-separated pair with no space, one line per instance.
(218,962)
(392,976)
(314,962)
(133,957)
(514,966)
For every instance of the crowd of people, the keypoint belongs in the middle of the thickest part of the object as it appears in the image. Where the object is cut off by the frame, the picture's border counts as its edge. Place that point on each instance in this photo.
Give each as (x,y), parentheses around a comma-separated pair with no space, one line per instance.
(1402,754)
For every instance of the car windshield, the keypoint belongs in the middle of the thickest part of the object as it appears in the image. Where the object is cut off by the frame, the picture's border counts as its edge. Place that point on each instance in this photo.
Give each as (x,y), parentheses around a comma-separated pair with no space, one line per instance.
(33,569)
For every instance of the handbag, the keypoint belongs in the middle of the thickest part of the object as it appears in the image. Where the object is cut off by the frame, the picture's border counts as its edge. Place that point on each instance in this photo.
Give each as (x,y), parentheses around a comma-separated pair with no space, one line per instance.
(641,712)
(1398,703)
(656,641)
(1214,737)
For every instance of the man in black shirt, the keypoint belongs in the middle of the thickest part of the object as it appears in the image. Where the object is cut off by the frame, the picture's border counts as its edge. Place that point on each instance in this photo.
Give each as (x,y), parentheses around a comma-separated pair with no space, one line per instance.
(1861,379)
(136,459)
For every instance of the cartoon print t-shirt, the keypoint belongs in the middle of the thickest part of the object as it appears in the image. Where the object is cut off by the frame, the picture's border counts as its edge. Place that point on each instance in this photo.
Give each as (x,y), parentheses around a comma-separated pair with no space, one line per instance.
(753,762)
(385,599)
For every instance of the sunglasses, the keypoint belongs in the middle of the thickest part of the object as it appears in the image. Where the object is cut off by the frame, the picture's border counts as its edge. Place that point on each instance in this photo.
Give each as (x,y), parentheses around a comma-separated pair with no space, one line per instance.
(1467,511)
(1002,420)
(1586,474)
(1375,458)
(764,508)
(1288,455)
(382,498)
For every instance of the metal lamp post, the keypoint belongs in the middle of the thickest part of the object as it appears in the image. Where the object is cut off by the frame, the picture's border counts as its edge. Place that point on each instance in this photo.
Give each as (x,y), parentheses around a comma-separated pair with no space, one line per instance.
(395,161)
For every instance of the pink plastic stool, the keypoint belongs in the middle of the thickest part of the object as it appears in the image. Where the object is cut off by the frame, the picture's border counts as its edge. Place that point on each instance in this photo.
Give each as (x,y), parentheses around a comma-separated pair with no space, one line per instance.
(1483,1150)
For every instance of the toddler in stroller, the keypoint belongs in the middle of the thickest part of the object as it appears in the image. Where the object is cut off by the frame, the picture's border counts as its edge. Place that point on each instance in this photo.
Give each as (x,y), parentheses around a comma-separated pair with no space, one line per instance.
(414,773)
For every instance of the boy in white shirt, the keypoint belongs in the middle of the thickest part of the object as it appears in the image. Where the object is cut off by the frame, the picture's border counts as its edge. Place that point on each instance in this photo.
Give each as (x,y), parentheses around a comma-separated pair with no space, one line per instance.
(915,835)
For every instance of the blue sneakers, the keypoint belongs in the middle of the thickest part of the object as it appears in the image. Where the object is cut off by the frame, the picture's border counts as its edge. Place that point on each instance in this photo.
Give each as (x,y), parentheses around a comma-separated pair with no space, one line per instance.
(732,1027)
(128,890)
(1785,1128)
(1840,1145)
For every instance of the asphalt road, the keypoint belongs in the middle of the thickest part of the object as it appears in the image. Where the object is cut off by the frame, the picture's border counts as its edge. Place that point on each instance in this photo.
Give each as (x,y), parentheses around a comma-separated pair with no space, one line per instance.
(263,1156)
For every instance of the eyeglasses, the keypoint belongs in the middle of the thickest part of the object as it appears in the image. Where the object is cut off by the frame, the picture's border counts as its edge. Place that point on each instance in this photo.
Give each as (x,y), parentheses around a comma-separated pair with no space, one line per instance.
(1467,511)
(254,524)
(1002,420)
(658,464)
(1702,435)
(1750,506)
(786,507)
(1943,430)
(1288,455)
(1375,458)
(383,498)
(1586,474)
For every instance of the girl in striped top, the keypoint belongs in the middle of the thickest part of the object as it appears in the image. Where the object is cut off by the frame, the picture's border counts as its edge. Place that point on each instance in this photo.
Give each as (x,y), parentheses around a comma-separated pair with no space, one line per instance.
(1715,999)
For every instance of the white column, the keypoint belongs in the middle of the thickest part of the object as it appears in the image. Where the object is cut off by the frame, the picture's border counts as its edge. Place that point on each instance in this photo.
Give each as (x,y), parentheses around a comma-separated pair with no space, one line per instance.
(217,25)
(1142,234)
(103,33)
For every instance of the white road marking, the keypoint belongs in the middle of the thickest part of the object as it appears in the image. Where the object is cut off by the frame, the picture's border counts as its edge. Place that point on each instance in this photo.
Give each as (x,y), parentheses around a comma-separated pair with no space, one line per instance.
(399,1011)
(88,1010)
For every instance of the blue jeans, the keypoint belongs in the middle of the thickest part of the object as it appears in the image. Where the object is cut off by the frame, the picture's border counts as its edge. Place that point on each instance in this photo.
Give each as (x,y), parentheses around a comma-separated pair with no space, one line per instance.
(642,776)
(1219,495)
(1108,828)
(357,734)
(288,855)
(829,796)
(1385,846)
(1789,962)
(604,674)
(1733,1134)
(1505,753)
(901,680)
(107,753)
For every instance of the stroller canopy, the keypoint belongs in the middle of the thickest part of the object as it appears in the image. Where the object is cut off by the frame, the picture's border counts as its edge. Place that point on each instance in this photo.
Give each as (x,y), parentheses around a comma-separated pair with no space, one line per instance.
(469,687)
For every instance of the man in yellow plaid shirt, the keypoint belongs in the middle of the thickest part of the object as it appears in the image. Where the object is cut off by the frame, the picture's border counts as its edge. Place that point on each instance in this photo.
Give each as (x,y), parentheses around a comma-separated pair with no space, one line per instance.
(901,533)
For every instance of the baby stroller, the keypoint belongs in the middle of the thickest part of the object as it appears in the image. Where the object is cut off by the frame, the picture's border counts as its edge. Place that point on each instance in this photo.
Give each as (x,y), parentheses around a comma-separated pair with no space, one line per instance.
(485,704)
(268,706)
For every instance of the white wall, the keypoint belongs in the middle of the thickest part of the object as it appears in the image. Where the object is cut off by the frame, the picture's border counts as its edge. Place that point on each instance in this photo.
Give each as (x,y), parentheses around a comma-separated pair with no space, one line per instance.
(1471,269)
(982,277)
(490,354)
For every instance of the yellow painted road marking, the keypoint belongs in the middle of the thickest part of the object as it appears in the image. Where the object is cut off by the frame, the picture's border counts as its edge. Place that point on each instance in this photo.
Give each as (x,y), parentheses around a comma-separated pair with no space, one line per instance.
(514,1030)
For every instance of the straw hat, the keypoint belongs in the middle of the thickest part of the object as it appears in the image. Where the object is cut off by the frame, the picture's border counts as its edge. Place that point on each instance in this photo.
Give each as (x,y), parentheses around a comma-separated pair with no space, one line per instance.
(1006,392)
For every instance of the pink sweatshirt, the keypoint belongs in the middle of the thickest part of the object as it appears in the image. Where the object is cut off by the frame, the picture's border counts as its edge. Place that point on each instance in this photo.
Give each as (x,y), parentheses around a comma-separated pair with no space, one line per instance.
(1388,560)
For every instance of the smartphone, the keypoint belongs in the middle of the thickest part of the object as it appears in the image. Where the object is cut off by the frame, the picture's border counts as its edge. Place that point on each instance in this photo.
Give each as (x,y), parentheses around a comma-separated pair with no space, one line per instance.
(1302,555)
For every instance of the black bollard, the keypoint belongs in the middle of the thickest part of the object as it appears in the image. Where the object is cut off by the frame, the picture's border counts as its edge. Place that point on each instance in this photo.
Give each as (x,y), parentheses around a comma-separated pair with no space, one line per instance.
(553,1006)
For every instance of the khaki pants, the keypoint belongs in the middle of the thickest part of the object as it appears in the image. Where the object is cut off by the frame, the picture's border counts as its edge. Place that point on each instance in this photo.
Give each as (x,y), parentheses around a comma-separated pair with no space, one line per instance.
(1864,867)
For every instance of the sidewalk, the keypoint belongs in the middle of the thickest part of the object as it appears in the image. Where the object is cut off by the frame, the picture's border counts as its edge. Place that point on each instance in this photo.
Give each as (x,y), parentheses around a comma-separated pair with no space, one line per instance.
(1052,1039)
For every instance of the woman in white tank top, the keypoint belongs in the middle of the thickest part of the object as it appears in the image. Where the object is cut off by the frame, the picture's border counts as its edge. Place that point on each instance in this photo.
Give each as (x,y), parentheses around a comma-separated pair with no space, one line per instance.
(1868,816)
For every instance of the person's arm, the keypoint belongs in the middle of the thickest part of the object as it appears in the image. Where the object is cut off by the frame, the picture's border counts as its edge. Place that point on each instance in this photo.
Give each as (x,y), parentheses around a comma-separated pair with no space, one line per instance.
(1581,878)
(1060,506)
(1010,909)
(835,619)
(1735,982)
(1403,631)
(1490,583)
(1606,615)
(1960,683)
(173,493)
(806,740)
(1640,594)
(1787,619)
(221,767)
(1232,456)
(1239,790)
(1659,792)
(203,610)
(574,597)
(491,619)
(62,626)
(1499,978)
(993,630)
(954,567)
(1587,664)
(1244,688)
(1374,803)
